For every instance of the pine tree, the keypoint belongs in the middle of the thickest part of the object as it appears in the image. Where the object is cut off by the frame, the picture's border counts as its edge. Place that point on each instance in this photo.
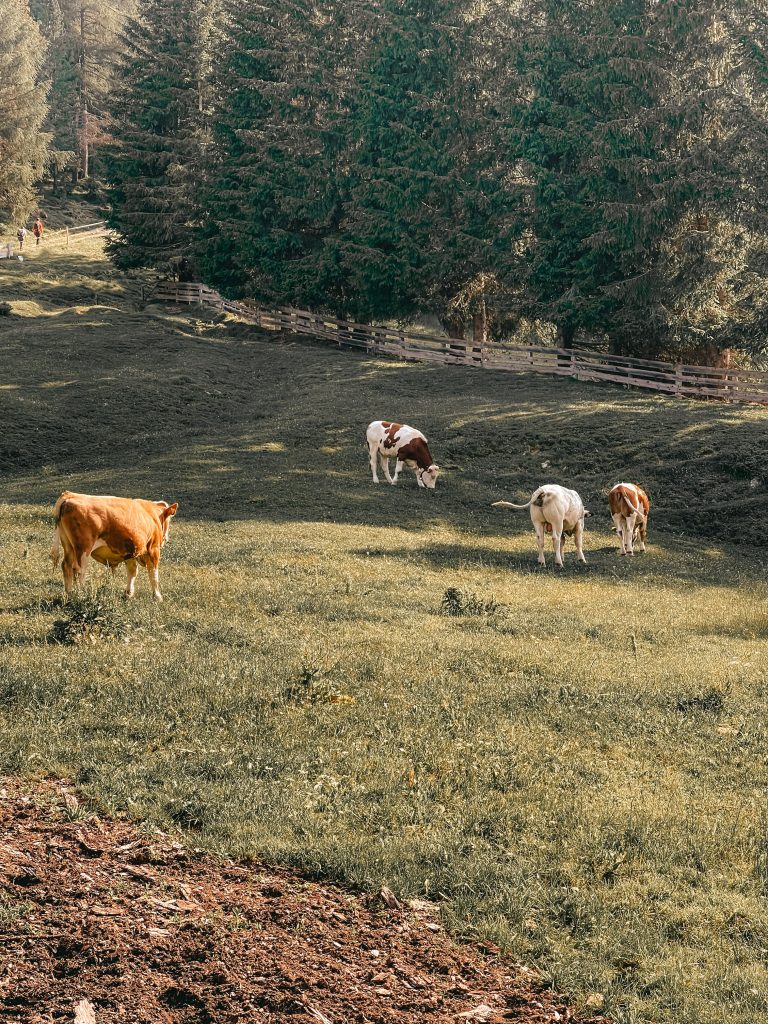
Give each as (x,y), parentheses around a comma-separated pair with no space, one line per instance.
(403,173)
(273,180)
(23,107)
(84,48)
(160,123)
(710,280)
(584,163)
(632,132)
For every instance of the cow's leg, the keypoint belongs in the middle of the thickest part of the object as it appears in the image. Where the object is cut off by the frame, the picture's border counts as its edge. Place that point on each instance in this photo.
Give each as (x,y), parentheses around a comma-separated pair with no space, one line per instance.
(68,570)
(373,452)
(557,542)
(540,534)
(642,532)
(629,532)
(419,481)
(154,579)
(578,536)
(131,567)
(398,467)
(82,571)
(385,467)
(618,526)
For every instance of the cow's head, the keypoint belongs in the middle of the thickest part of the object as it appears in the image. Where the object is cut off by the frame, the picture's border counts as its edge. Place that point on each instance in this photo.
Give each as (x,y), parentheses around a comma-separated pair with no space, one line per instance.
(429,476)
(166,513)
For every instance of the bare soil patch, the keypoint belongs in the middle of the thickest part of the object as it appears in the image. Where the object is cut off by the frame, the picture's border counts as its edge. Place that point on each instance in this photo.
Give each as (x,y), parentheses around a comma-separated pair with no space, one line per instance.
(147,930)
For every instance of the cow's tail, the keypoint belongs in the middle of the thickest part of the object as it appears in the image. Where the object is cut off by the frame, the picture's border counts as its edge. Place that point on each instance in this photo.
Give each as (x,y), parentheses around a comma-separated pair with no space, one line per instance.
(55,547)
(509,504)
(58,508)
(56,542)
(58,511)
(637,511)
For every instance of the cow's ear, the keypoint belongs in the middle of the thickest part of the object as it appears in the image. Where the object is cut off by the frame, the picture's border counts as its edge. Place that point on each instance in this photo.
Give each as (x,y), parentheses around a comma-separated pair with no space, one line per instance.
(170,511)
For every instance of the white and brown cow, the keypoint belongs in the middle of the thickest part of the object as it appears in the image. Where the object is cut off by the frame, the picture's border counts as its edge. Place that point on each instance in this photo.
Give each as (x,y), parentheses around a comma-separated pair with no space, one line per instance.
(629,507)
(556,510)
(405,444)
(111,530)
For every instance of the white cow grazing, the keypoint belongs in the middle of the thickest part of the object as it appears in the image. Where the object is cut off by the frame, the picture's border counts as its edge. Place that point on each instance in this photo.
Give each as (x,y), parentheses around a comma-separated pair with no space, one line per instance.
(557,510)
(406,444)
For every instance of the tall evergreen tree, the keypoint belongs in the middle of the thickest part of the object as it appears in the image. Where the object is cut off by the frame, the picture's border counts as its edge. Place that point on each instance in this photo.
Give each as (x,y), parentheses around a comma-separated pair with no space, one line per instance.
(23,108)
(160,122)
(404,177)
(586,164)
(84,48)
(274,179)
(710,281)
(629,133)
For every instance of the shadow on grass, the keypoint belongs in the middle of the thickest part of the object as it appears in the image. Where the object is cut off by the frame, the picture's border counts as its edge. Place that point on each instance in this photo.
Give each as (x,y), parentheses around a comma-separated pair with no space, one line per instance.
(602,563)
(246,425)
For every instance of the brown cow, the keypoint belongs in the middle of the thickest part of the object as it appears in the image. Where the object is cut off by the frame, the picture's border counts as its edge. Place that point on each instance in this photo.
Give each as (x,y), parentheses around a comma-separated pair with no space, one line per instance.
(629,507)
(111,530)
(407,446)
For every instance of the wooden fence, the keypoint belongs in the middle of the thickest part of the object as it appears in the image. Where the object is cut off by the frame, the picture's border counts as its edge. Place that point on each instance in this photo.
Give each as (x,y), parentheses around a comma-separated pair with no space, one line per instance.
(681,379)
(95,229)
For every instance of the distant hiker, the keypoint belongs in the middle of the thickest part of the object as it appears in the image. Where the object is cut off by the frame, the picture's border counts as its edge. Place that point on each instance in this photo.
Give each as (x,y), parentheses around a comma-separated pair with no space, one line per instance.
(37,230)
(21,234)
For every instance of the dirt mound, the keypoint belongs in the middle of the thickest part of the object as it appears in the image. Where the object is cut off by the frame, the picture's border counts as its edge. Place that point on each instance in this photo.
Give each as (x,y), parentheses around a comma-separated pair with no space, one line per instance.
(131,926)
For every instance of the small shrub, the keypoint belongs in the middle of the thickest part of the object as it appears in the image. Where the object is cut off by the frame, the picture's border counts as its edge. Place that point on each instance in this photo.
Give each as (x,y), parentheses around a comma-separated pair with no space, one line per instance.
(456,602)
(312,686)
(710,701)
(90,619)
(5,309)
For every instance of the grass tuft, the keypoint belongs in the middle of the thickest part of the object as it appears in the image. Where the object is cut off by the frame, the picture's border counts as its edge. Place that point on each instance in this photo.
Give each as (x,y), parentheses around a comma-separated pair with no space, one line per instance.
(456,603)
(92,618)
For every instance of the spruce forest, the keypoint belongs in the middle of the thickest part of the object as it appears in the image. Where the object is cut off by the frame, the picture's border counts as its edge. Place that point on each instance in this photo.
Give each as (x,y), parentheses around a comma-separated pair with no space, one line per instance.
(594,168)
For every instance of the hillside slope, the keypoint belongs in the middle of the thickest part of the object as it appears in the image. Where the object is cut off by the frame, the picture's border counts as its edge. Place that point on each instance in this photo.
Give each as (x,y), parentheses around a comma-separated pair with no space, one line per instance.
(376,684)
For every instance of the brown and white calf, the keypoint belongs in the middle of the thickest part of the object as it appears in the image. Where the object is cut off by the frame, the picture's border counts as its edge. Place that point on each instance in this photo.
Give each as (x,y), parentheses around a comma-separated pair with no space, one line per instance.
(558,510)
(629,507)
(110,530)
(405,444)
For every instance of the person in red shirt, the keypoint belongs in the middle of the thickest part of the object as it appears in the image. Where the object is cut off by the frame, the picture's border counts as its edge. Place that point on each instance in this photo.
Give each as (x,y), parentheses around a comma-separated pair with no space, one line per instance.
(37,230)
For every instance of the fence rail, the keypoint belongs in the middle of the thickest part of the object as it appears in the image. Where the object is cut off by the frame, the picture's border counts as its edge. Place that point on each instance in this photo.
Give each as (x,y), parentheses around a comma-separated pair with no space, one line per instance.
(680,379)
(95,229)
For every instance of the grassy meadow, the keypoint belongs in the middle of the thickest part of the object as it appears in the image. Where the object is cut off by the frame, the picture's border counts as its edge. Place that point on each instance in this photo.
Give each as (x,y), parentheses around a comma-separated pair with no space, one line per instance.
(573,764)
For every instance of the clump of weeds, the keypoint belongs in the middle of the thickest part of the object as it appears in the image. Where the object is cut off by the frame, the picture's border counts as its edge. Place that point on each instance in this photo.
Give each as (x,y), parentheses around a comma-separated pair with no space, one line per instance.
(89,619)
(457,602)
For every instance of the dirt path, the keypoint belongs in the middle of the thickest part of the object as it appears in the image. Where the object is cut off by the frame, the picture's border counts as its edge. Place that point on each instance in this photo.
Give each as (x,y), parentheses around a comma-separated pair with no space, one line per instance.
(149,932)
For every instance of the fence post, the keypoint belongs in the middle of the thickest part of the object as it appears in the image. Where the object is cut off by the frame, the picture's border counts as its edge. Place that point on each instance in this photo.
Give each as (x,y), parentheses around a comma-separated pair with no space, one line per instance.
(67,230)
(678,379)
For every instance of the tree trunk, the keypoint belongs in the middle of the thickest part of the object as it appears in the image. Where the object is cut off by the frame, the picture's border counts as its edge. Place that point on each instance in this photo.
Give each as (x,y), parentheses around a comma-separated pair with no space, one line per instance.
(84,153)
(567,334)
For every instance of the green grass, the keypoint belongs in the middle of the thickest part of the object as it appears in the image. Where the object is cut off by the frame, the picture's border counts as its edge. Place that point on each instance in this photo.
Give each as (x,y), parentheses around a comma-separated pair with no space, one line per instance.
(574,765)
